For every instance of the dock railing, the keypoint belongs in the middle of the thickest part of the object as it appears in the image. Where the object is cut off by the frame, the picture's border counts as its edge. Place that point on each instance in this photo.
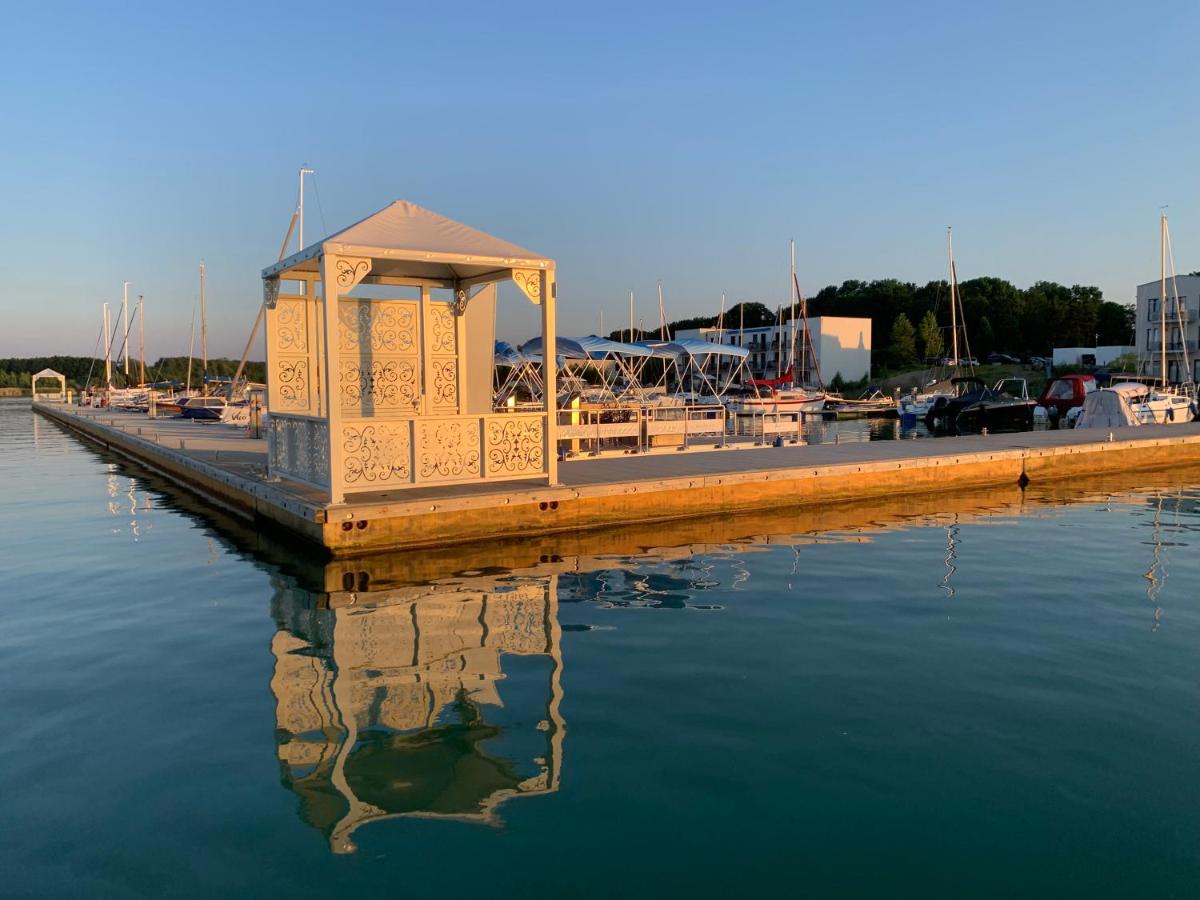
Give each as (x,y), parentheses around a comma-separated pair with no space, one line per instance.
(636,429)
(768,425)
(678,426)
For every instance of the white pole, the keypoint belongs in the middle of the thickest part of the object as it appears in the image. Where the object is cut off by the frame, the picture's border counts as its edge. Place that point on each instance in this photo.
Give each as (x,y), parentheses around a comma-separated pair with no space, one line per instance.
(1162,294)
(953,299)
(125,325)
(631,315)
(300,206)
(107,349)
(662,315)
(792,294)
(191,351)
(203,331)
(142,338)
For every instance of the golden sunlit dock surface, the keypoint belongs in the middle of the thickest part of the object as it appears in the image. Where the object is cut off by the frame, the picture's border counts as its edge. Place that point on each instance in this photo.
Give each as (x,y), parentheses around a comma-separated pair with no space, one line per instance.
(223,466)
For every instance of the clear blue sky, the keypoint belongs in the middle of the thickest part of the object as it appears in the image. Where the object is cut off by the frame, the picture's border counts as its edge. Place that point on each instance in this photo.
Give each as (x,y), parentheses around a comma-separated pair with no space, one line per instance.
(633,142)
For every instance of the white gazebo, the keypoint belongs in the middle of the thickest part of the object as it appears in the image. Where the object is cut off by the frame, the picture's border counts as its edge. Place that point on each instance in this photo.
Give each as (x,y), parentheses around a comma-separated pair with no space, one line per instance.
(380,344)
(49,374)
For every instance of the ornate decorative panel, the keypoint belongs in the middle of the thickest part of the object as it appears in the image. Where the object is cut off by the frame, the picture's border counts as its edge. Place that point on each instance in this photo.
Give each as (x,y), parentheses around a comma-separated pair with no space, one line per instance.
(291,326)
(376,454)
(442,371)
(292,384)
(298,448)
(515,445)
(447,449)
(289,350)
(390,385)
(379,360)
(377,326)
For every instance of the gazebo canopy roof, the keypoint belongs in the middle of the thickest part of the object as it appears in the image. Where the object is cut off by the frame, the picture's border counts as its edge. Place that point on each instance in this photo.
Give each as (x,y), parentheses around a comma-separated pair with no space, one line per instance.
(407,240)
(49,373)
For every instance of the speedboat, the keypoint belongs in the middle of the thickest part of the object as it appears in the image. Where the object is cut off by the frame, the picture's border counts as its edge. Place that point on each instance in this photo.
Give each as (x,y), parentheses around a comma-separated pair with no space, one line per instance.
(978,407)
(1006,407)
(204,408)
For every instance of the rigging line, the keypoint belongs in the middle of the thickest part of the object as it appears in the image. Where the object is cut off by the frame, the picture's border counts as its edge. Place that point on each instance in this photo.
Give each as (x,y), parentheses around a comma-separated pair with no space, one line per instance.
(99,337)
(1178,312)
(320,211)
(125,343)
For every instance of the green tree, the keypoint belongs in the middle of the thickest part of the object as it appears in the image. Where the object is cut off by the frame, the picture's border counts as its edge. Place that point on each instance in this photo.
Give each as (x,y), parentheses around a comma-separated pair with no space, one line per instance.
(903,347)
(1115,323)
(931,335)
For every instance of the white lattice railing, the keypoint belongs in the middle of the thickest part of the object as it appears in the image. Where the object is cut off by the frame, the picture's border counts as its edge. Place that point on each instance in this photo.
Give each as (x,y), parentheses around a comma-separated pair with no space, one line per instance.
(397,453)
(594,430)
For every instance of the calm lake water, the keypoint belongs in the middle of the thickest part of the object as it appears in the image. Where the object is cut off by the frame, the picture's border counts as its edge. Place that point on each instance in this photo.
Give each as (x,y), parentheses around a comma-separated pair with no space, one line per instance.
(990,695)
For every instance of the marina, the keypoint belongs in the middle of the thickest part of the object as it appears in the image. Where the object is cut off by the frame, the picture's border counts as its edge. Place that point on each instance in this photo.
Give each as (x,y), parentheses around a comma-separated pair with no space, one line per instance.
(600,452)
(224,466)
(334,724)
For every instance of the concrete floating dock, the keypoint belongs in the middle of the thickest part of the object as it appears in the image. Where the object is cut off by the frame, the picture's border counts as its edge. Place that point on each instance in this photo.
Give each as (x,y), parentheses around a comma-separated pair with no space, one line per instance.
(219,463)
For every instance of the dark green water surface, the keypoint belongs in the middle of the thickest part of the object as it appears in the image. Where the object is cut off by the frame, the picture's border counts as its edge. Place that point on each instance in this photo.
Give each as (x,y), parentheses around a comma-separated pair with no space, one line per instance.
(995,695)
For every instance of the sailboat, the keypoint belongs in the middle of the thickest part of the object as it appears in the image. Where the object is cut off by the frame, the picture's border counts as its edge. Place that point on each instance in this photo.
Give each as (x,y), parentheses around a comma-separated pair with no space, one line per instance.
(1168,404)
(787,393)
(920,404)
(1131,403)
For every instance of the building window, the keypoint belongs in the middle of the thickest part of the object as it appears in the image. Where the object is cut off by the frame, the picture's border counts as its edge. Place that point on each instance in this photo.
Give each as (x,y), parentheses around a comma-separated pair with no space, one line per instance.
(1151,308)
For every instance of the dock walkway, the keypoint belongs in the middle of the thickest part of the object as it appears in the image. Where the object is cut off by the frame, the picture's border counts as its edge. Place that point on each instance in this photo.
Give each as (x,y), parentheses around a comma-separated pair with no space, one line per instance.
(226,467)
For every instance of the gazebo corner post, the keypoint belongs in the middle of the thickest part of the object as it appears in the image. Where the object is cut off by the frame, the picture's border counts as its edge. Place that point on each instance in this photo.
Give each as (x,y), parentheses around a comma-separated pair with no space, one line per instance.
(550,374)
(332,401)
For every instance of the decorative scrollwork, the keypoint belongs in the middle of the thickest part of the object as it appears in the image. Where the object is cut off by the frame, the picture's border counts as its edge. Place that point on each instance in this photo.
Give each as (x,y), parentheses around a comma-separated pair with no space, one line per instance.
(384,327)
(390,384)
(448,450)
(270,292)
(443,332)
(376,453)
(515,445)
(530,283)
(291,327)
(292,383)
(445,384)
(349,271)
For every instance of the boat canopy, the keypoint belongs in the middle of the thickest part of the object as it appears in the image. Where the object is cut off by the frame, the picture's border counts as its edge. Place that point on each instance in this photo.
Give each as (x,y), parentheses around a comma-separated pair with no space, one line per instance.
(592,347)
(1111,407)
(506,354)
(693,347)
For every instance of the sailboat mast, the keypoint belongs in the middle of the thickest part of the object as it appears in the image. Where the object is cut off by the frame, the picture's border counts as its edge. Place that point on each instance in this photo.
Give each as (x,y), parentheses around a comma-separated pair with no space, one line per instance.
(300,206)
(203,330)
(191,349)
(125,326)
(1162,294)
(792,293)
(953,298)
(662,315)
(631,316)
(779,343)
(107,349)
(142,338)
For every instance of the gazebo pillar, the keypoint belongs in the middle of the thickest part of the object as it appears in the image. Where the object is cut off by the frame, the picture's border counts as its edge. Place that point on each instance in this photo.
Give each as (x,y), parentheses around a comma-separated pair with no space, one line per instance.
(549,288)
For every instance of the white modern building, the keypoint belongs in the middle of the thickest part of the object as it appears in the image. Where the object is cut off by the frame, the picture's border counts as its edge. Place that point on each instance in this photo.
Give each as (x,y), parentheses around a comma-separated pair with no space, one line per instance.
(1182,328)
(842,345)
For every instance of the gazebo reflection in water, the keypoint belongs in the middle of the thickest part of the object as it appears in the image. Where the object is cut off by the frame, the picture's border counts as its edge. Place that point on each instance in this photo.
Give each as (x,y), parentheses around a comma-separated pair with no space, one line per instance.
(425,701)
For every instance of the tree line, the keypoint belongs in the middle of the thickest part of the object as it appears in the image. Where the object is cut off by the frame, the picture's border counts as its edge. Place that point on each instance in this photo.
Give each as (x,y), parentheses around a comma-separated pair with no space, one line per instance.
(911,322)
(18,371)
